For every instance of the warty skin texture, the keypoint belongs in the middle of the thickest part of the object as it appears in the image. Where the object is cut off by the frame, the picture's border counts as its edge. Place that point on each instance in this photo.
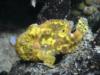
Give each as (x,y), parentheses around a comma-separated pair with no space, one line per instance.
(42,42)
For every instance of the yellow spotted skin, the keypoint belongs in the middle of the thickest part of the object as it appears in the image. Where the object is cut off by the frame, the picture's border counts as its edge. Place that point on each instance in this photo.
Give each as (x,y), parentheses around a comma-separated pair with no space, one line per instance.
(42,42)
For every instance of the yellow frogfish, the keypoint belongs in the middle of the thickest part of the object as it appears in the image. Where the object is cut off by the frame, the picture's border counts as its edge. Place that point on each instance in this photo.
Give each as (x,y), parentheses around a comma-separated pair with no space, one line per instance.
(42,42)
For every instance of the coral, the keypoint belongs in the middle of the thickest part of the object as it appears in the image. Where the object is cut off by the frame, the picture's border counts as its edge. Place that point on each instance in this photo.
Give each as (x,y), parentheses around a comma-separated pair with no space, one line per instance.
(89,10)
(89,2)
(42,42)
(81,6)
(85,8)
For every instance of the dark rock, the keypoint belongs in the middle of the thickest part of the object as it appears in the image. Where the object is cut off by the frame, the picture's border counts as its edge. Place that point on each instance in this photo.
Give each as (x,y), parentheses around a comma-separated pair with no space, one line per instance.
(28,68)
(96,44)
(97,38)
(97,57)
(55,9)
(87,66)
(80,66)
(3,73)
(94,21)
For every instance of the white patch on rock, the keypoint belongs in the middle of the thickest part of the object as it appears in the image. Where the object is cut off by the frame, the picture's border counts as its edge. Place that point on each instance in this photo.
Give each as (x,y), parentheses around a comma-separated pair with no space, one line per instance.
(13,40)
(97,49)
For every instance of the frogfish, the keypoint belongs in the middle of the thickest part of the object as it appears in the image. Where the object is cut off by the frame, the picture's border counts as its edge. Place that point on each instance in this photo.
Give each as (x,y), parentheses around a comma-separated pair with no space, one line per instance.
(53,37)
